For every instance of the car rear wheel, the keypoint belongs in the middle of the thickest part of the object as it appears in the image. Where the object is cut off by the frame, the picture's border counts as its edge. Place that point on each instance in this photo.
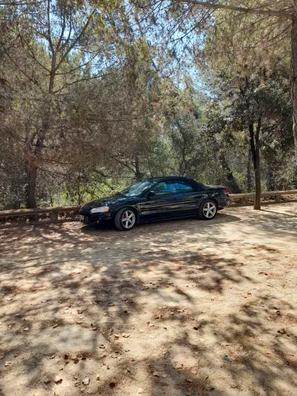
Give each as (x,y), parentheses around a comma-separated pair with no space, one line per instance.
(208,210)
(125,219)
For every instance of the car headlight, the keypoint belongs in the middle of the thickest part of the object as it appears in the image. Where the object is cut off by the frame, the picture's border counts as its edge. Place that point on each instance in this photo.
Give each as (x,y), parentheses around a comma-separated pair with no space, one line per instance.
(101,209)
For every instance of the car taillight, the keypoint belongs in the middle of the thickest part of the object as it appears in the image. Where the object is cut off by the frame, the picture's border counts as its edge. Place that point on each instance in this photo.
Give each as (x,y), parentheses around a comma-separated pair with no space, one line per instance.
(227,192)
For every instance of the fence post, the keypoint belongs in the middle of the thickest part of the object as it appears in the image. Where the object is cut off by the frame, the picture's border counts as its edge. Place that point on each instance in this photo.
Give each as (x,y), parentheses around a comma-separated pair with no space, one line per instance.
(54,215)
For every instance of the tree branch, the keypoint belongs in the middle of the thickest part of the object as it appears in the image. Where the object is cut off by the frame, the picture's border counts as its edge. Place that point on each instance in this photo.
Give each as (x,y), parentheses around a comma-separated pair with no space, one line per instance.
(255,11)
(50,42)
(75,40)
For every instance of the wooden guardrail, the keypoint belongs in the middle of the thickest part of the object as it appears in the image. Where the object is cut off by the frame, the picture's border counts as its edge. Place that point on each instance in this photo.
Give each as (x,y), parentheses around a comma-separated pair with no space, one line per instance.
(264,194)
(246,199)
(51,215)
(70,213)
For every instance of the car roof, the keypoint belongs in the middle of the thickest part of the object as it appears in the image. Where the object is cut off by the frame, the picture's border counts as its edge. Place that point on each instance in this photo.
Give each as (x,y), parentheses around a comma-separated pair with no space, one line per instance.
(170,178)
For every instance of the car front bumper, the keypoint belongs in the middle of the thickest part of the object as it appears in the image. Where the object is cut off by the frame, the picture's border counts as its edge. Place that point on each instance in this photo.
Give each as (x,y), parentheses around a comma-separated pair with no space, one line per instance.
(98,218)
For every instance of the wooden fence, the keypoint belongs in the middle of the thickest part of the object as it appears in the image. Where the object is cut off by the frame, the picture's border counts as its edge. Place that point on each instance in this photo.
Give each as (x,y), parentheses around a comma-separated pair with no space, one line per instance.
(70,213)
(51,215)
(246,199)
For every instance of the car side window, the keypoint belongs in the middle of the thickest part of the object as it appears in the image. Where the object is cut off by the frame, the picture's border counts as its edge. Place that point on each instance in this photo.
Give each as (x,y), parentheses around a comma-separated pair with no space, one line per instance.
(161,188)
(182,187)
(172,187)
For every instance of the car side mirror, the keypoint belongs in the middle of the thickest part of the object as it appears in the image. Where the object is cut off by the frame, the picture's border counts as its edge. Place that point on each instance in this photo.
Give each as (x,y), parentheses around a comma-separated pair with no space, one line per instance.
(151,194)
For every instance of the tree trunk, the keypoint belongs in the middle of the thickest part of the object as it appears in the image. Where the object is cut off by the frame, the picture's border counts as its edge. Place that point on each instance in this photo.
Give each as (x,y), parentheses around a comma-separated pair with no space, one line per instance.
(138,174)
(31,171)
(229,179)
(257,204)
(248,172)
(34,151)
(294,86)
(270,179)
(294,80)
(255,150)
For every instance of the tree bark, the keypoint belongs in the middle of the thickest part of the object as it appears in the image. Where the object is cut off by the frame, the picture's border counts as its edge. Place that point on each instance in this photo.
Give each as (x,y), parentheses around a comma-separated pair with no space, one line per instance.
(248,172)
(229,179)
(138,174)
(255,150)
(34,152)
(34,157)
(294,81)
(31,171)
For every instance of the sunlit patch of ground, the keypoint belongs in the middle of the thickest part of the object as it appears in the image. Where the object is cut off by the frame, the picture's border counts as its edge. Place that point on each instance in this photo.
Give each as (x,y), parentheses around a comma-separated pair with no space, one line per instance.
(178,308)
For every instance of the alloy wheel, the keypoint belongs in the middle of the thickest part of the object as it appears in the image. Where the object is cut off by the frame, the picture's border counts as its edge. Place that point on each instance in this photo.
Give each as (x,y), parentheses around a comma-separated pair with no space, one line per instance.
(128,219)
(209,210)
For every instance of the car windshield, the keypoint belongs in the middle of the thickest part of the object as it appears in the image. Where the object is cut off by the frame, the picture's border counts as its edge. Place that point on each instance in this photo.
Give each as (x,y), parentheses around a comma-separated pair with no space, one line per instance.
(137,188)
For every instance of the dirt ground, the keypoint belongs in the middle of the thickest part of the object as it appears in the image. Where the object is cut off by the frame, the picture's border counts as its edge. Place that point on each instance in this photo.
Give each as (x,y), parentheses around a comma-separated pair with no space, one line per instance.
(177,308)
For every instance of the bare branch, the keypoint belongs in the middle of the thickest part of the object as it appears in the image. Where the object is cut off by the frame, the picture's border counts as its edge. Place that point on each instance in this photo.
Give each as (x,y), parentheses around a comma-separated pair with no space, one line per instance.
(79,67)
(255,11)
(75,40)
(49,27)
(31,52)
(34,81)
(76,82)
(15,3)
(62,32)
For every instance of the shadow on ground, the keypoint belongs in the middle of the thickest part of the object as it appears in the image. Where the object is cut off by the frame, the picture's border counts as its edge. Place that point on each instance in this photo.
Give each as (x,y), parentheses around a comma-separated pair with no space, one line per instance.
(171,309)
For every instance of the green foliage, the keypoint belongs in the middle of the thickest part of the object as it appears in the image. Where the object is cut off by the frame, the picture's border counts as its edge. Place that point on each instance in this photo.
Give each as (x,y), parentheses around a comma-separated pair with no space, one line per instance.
(96,94)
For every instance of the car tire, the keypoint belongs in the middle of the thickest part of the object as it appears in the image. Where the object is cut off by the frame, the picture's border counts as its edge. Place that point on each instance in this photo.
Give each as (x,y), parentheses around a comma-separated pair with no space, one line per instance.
(125,219)
(208,209)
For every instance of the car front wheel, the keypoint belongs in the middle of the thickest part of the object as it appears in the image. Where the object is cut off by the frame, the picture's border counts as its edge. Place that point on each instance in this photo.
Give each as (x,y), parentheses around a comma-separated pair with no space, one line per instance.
(125,219)
(208,210)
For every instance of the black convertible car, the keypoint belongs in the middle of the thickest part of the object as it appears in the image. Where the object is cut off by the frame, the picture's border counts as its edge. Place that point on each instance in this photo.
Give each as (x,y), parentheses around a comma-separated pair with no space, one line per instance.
(156,199)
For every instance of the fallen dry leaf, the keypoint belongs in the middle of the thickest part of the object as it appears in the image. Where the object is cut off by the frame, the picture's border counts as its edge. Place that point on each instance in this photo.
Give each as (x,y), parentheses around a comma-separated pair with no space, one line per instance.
(86,381)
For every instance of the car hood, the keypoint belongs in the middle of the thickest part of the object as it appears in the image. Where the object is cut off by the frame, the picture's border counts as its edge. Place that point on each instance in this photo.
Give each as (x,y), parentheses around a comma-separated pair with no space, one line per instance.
(114,200)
